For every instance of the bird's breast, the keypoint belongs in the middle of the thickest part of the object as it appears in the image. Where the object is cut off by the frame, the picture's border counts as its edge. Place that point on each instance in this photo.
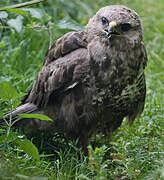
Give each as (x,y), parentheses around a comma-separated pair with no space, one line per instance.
(118,77)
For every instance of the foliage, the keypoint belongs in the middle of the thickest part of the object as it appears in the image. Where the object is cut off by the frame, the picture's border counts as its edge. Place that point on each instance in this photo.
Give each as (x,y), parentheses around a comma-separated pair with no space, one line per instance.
(133,152)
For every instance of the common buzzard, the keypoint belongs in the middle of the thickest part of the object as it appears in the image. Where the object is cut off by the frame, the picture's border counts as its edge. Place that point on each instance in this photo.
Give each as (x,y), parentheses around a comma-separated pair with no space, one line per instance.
(91,79)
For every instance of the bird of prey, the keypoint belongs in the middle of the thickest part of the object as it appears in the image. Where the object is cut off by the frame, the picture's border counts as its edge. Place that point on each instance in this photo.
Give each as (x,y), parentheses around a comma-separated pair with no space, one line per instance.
(91,79)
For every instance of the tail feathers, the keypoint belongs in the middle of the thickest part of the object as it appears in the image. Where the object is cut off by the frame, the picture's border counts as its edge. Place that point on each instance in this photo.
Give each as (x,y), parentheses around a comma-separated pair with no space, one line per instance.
(30,124)
(23,109)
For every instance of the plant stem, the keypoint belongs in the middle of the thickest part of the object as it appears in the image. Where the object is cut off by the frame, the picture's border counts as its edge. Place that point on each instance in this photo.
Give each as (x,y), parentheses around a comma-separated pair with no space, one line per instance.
(21,5)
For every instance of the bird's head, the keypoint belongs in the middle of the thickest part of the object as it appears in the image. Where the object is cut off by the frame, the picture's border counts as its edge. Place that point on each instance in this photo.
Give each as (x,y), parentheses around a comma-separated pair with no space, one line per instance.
(115,22)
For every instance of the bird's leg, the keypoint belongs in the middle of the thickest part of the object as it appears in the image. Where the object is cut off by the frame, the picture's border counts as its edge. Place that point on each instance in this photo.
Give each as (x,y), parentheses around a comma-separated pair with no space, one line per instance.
(83,143)
(82,140)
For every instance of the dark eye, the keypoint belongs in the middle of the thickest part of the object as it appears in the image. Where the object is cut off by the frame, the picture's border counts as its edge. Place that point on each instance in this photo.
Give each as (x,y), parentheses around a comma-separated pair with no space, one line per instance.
(125,27)
(105,20)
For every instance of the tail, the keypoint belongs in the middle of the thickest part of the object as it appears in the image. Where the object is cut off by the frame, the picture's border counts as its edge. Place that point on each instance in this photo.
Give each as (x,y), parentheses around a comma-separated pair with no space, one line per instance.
(22,109)
(32,124)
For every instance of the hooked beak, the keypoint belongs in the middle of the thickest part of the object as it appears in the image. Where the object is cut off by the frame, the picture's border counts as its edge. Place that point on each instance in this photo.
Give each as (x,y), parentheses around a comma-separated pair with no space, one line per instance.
(112,29)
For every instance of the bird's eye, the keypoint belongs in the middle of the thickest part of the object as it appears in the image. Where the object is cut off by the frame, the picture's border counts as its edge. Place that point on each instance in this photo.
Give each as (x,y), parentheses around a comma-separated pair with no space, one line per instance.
(105,20)
(125,27)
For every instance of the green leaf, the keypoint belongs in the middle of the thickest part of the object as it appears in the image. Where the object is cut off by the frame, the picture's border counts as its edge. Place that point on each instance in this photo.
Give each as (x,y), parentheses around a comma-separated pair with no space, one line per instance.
(64,24)
(2,44)
(36,13)
(38,116)
(16,23)
(16,11)
(3,14)
(29,148)
(8,92)
(2,130)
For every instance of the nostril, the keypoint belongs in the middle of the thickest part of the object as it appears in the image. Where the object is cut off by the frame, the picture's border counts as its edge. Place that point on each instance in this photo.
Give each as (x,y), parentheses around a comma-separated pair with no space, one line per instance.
(106,30)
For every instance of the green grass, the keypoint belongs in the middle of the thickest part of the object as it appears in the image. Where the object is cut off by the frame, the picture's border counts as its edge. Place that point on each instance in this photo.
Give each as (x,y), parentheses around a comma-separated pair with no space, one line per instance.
(136,152)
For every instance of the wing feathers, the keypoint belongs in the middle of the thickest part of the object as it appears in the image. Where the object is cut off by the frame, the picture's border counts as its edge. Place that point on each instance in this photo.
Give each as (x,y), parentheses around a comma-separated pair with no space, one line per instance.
(60,68)
(64,45)
(58,76)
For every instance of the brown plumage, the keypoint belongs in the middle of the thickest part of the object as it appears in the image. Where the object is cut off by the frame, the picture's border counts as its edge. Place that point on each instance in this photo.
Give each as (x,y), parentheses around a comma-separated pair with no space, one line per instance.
(91,79)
